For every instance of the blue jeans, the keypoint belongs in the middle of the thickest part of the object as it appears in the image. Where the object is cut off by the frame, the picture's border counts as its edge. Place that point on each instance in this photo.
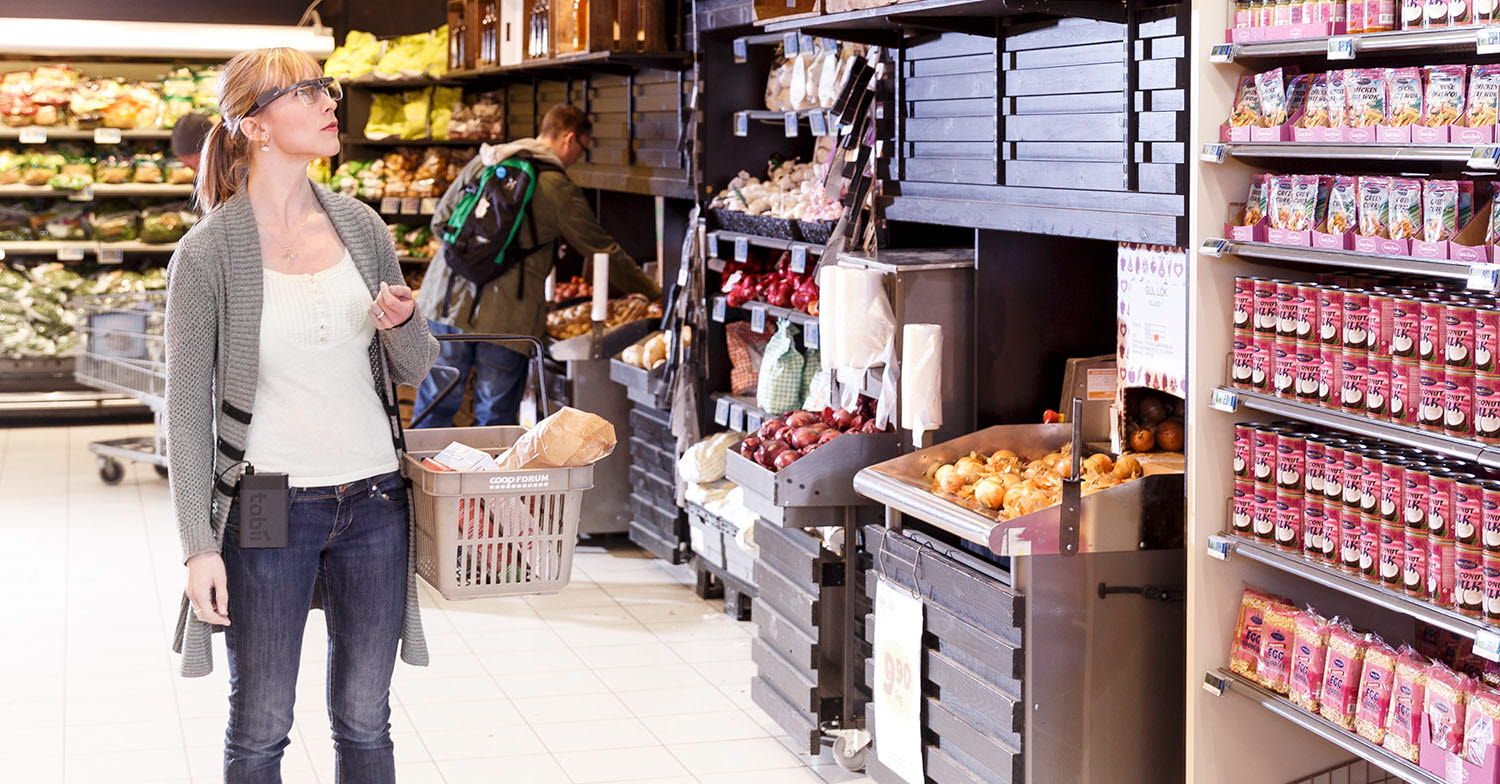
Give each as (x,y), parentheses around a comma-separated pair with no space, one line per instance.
(499,382)
(352,540)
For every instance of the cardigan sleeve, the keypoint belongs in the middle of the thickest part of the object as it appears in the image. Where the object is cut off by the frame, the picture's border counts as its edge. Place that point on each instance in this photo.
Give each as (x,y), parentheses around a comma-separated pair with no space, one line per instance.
(411,347)
(191,335)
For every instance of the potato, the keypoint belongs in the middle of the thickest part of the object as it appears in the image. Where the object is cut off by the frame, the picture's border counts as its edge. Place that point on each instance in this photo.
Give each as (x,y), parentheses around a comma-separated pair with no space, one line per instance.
(631,355)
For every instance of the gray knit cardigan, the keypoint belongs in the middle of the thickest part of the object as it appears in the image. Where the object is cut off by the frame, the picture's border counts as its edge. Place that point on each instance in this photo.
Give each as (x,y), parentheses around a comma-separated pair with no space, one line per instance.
(213,352)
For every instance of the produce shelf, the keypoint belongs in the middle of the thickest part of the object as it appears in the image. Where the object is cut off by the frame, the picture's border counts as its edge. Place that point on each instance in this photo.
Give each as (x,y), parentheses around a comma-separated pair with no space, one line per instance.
(1455,39)
(1346,258)
(99,191)
(772,312)
(75,134)
(1230,399)
(719,237)
(579,63)
(971,16)
(1220,682)
(85,247)
(373,82)
(360,141)
(1487,637)
(823,478)
(1430,153)
(738,412)
(414,259)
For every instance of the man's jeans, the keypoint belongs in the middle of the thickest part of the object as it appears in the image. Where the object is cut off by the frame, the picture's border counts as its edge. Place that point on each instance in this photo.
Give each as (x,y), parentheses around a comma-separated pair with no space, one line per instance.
(499,382)
(352,539)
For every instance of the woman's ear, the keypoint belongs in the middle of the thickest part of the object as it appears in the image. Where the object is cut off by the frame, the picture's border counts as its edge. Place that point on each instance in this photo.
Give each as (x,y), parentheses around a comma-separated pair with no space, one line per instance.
(254,130)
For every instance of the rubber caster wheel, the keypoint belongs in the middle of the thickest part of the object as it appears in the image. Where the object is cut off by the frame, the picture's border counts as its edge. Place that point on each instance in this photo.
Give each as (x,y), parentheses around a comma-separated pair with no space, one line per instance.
(111,471)
(161,471)
(849,754)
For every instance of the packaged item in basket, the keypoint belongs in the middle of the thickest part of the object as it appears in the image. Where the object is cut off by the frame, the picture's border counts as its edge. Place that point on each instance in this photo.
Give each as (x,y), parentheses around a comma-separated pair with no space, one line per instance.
(1246,103)
(1404,724)
(1341,674)
(1369,97)
(1405,221)
(1481,725)
(1405,97)
(1309,653)
(1439,210)
(1244,653)
(1484,96)
(1273,662)
(1338,98)
(462,458)
(1256,203)
(569,438)
(1375,691)
(1270,88)
(1374,206)
(1444,102)
(1444,704)
(1343,205)
(1315,108)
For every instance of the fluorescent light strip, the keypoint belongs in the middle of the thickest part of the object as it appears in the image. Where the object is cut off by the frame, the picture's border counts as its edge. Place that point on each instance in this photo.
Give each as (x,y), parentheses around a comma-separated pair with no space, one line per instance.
(85,38)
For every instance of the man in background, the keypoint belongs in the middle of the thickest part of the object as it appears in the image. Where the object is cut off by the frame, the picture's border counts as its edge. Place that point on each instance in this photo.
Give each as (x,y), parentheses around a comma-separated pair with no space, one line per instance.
(188,134)
(514,303)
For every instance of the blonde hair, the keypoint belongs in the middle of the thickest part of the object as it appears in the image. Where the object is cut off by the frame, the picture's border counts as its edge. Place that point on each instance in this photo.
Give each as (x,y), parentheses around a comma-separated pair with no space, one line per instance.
(225,163)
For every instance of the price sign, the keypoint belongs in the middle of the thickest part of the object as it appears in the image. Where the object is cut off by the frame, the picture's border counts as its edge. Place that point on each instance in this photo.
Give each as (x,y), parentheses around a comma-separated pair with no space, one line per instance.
(758,320)
(805,44)
(33,135)
(111,256)
(741,124)
(737,419)
(1487,645)
(1483,277)
(1484,156)
(789,43)
(1488,41)
(1214,247)
(86,194)
(741,249)
(1219,547)
(898,680)
(811,335)
(741,50)
(70,254)
(789,123)
(799,259)
(429,205)
(1341,47)
(1213,153)
(1222,53)
(721,412)
(1224,400)
(410,205)
(818,121)
(390,205)
(719,305)
(1215,684)
(106,136)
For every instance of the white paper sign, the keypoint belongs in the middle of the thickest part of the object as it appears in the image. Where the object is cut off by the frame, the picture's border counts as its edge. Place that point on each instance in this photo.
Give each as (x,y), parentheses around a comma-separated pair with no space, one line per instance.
(1152,314)
(898,681)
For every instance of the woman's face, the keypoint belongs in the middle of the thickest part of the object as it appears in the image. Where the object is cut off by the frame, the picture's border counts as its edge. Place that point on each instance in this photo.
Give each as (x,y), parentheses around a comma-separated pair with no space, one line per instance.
(299,124)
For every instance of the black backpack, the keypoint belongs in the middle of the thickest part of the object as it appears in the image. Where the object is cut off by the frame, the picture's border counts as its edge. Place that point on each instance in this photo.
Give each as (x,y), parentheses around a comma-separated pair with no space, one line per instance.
(480,236)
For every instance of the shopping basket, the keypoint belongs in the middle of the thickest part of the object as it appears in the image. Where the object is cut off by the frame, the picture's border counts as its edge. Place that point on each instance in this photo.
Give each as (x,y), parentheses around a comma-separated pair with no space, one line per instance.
(122,350)
(492,533)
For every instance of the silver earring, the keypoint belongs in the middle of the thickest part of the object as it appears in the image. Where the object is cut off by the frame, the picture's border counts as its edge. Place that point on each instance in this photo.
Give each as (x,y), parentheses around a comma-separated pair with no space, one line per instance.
(265,146)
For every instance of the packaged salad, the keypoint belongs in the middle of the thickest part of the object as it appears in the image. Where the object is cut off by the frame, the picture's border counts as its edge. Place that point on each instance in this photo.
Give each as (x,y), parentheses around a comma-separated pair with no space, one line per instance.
(1405,221)
(1343,205)
(1270,88)
(1439,210)
(1374,206)
(1369,97)
(1445,94)
(1405,89)
(1484,96)
(148,169)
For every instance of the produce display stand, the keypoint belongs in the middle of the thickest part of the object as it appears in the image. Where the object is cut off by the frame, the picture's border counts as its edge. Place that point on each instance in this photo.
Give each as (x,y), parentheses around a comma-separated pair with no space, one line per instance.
(725,570)
(658,525)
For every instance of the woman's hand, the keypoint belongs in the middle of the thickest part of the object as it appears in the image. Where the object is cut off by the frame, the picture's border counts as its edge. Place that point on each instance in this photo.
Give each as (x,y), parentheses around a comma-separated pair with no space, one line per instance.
(392,306)
(207,588)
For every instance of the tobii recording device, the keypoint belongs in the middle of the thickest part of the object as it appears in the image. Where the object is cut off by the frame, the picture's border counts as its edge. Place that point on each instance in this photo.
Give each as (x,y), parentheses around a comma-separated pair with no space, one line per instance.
(265,504)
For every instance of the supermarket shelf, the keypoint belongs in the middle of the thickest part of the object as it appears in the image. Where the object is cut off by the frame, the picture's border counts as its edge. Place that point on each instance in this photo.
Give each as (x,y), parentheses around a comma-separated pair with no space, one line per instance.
(360,141)
(1457,39)
(976,17)
(1224,547)
(1347,258)
(1408,436)
(1430,153)
(766,115)
(85,247)
(414,259)
(773,313)
(372,82)
(580,63)
(721,237)
(1223,681)
(738,412)
(74,134)
(635,179)
(99,191)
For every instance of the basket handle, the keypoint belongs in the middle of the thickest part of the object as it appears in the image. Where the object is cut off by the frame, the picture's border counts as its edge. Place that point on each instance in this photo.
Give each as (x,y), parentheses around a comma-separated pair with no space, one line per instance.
(482,337)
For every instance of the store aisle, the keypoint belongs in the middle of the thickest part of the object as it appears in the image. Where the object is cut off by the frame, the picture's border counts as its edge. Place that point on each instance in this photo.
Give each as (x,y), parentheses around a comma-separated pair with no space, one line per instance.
(625,676)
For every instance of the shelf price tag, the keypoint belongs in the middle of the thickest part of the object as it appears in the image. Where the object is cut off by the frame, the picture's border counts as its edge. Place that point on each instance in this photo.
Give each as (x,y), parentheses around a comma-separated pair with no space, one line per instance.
(753,421)
(721,412)
(1487,645)
(106,136)
(1213,153)
(33,135)
(1224,400)
(111,256)
(818,121)
(713,243)
(682,274)
(1341,47)
(390,205)
(1488,40)
(410,205)
(1215,684)
(719,306)
(1483,277)
(1485,156)
(789,44)
(741,50)
(1214,247)
(811,336)
(429,205)
(1223,53)
(741,248)
(758,320)
(86,194)
(1220,547)
(737,419)
(799,259)
(741,124)
(70,254)
(789,123)
(805,43)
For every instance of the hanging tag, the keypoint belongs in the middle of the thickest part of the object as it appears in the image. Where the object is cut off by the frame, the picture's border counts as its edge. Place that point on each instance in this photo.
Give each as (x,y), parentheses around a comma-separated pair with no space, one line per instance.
(1487,644)
(87,194)
(429,205)
(70,254)
(758,320)
(1488,40)
(682,274)
(33,135)
(1213,153)
(1220,547)
(799,259)
(713,243)
(1483,277)
(1214,247)
(1341,47)
(737,419)
(111,256)
(789,43)
(411,205)
(1484,156)
(789,123)
(741,50)
(390,205)
(1224,400)
(741,249)
(741,124)
(1222,53)
(811,335)
(719,306)
(818,121)
(721,412)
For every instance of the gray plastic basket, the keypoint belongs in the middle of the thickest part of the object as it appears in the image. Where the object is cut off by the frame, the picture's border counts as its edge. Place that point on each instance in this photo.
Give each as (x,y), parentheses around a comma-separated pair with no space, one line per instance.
(492,533)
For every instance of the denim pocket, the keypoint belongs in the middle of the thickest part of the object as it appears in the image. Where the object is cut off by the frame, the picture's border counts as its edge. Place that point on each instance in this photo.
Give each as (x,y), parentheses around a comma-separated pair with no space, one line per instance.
(390,488)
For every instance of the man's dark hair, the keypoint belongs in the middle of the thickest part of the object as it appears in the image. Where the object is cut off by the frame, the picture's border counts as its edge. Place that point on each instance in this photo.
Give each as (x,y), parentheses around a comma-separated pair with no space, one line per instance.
(189,132)
(562,119)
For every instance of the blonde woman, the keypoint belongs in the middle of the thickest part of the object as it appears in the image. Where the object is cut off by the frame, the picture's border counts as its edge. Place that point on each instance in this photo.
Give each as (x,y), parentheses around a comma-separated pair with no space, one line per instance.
(286,323)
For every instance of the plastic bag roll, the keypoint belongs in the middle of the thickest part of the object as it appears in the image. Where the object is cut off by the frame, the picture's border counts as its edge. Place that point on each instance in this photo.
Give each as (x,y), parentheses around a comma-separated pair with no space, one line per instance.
(600,309)
(921,379)
(866,323)
(830,280)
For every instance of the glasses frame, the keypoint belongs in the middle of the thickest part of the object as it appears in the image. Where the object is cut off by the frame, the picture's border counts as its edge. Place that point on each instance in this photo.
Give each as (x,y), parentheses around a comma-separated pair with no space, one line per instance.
(327,83)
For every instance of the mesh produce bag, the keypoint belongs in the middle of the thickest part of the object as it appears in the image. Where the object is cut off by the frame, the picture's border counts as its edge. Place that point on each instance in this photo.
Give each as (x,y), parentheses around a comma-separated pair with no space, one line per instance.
(746,352)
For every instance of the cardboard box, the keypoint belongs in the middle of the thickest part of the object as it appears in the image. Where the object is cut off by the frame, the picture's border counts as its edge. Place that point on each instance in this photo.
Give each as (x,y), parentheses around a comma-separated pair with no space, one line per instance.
(1279,133)
(1432,251)
(1422,134)
(1238,134)
(1386,134)
(1462,134)
(774,9)
(1451,767)
(1363,135)
(1322,240)
(1469,245)
(1235,230)
(1302,239)
(1291,32)
(1380,246)
(1318,135)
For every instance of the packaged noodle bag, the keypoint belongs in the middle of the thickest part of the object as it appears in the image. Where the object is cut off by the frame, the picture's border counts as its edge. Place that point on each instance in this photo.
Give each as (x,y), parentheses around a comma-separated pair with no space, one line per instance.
(1443,704)
(1439,210)
(1309,654)
(1341,675)
(1273,664)
(1256,205)
(1444,102)
(1244,652)
(1405,87)
(1306,192)
(1374,206)
(1481,725)
(569,438)
(1343,205)
(1296,95)
(1484,96)
(1246,103)
(1406,209)
(1338,98)
(1270,88)
(1375,686)
(1368,97)
(1283,201)
(1403,726)
(1315,114)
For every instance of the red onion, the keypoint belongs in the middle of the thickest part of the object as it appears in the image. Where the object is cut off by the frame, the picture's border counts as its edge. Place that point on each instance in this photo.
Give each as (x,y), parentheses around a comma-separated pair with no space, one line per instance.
(801,418)
(786,458)
(768,430)
(804,436)
(828,435)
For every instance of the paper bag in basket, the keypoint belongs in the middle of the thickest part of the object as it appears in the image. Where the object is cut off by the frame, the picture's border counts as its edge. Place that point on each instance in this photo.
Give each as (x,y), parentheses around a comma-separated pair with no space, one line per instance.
(567,439)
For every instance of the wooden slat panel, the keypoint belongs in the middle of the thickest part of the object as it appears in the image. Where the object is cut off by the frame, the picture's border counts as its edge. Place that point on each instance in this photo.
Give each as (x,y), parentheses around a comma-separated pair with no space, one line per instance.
(964,129)
(1080,175)
(658,103)
(974,63)
(800,689)
(1168,153)
(1065,32)
(659,90)
(1089,224)
(981,150)
(1064,128)
(972,107)
(1069,151)
(1166,101)
(1167,48)
(949,45)
(797,603)
(1160,127)
(658,159)
(1158,74)
(1036,197)
(1067,104)
(954,87)
(785,638)
(1108,77)
(1110,52)
(950,170)
(961,738)
(1159,177)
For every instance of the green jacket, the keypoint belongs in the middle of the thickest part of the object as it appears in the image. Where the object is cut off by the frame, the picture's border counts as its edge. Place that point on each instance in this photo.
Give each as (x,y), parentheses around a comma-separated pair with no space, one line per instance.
(560,211)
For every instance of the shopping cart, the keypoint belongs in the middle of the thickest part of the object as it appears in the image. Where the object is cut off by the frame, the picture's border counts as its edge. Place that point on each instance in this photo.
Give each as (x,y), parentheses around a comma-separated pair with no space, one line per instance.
(121,350)
(494,533)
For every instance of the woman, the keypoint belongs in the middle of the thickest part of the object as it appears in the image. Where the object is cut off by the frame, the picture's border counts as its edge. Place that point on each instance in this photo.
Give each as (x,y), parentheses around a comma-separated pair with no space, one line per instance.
(286,322)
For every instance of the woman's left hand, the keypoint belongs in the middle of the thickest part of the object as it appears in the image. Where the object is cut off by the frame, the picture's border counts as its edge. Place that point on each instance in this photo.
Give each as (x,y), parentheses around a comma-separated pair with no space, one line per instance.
(392,306)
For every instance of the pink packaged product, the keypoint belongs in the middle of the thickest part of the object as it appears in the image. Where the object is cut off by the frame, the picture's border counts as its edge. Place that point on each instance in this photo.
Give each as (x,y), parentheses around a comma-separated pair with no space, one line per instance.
(1273,668)
(1341,675)
(1338,98)
(1309,654)
(1404,109)
(1444,100)
(1367,104)
(1444,702)
(1481,726)
(1375,691)
(1482,106)
(1403,726)
(1244,653)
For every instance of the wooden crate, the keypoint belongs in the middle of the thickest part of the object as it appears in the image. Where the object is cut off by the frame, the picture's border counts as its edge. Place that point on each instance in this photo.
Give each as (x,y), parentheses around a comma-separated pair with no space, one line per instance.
(773,9)
(607,26)
(839,6)
(463,34)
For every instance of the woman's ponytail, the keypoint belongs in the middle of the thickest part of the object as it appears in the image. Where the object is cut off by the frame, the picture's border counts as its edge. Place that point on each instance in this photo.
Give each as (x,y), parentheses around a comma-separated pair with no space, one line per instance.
(223,166)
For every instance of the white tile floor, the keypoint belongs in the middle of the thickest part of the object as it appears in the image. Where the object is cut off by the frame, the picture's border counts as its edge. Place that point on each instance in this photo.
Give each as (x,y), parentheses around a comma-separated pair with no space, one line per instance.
(625,676)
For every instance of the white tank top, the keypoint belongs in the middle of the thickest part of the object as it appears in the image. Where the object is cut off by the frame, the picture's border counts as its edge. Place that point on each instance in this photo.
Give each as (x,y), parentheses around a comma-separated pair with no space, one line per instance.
(318,418)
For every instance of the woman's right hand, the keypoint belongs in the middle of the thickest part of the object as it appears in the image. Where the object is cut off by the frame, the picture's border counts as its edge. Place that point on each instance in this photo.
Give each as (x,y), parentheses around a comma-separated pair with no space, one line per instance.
(207,588)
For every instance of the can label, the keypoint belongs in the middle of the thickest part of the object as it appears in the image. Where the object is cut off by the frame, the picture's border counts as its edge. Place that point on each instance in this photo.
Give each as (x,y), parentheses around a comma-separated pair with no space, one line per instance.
(1486,336)
(1392,554)
(1244,302)
(1350,533)
(1431,414)
(1243,449)
(1431,335)
(1405,327)
(1353,465)
(1330,377)
(1331,316)
(1440,570)
(1331,511)
(1440,508)
(1291,462)
(1356,320)
(1369,487)
(1468,569)
(1244,507)
(1354,369)
(1316,468)
(1265,307)
(1309,363)
(1244,360)
(1260,365)
(1286,310)
(1491,588)
(1458,402)
(1487,409)
(1490,519)
(1307,312)
(1392,492)
(1378,387)
(1369,548)
(1414,563)
(1405,393)
(1263,519)
(1283,368)
(1468,513)
(1264,455)
(1314,528)
(1333,474)
(1380,325)
(1458,323)
(1289,521)
(1414,498)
